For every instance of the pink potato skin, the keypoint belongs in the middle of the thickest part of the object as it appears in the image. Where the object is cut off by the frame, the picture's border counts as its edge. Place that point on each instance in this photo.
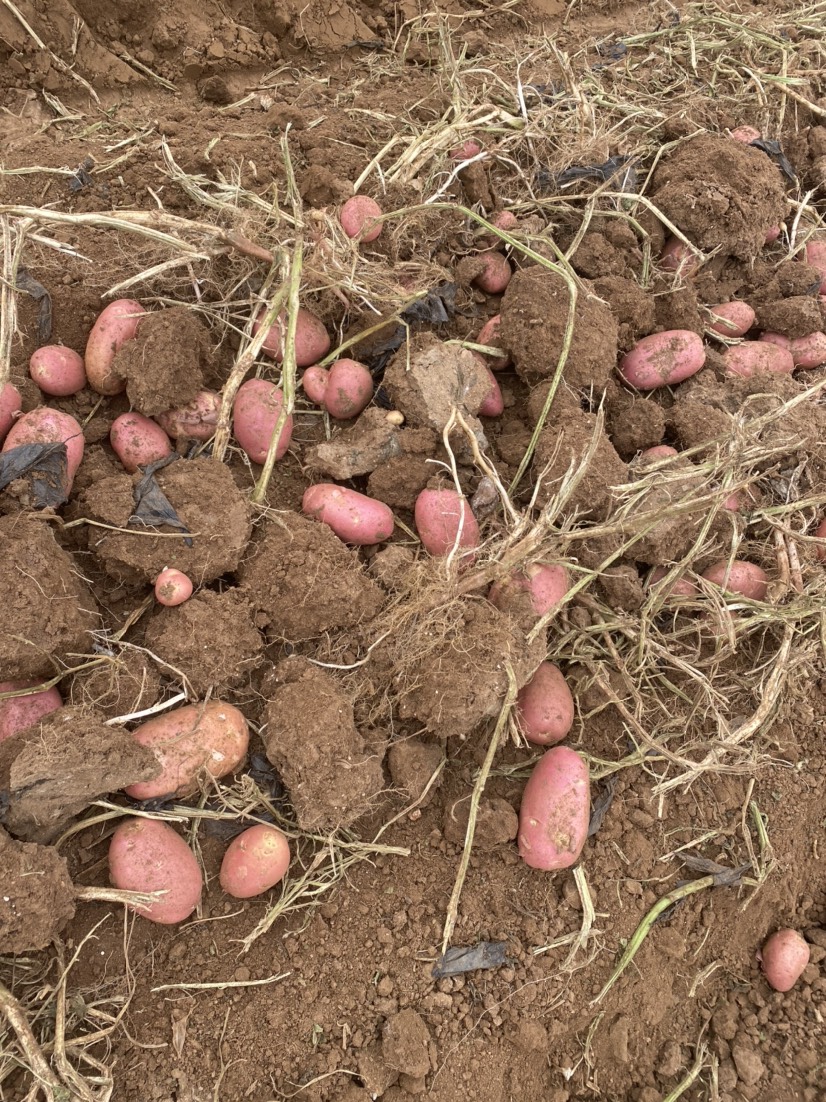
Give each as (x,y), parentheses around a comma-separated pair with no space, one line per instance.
(744,578)
(750,357)
(496,275)
(354,517)
(746,134)
(776,339)
(49,426)
(212,736)
(439,515)
(117,323)
(172,588)
(772,234)
(314,380)
(545,707)
(783,958)
(255,413)
(357,218)
(10,406)
(254,862)
(195,421)
(489,335)
(547,584)
(677,257)
(494,403)
(349,389)
(555,811)
(816,257)
(312,342)
(659,451)
(809,351)
(19,712)
(680,587)
(57,370)
(146,855)
(732,319)
(820,534)
(138,441)
(468,149)
(663,359)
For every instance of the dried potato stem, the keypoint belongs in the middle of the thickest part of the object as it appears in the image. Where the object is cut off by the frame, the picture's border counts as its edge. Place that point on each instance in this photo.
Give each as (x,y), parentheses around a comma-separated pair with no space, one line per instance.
(51,1086)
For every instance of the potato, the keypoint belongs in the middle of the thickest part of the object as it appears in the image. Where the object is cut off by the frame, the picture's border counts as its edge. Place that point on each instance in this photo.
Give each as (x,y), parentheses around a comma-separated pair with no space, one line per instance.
(809,351)
(545,707)
(10,406)
(680,587)
(195,421)
(743,578)
(19,712)
(172,588)
(349,389)
(659,451)
(749,357)
(468,149)
(777,339)
(49,426)
(116,324)
(489,334)
(547,584)
(254,862)
(784,958)
(746,134)
(494,403)
(772,234)
(505,220)
(816,257)
(555,811)
(358,218)
(663,359)
(312,342)
(354,517)
(146,855)
(315,380)
(820,534)
(57,370)
(211,736)
(439,516)
(731,319)
(496,274)
(678,257)
(138,441)
(255,413)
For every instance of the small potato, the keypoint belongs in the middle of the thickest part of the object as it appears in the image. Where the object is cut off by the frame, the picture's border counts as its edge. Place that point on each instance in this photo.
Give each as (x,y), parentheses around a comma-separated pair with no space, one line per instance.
(494,403)
(312,342)
(57,370)
(146,855)
(809,351)
(19,712)
(314,380)
(743,578)
(751,357)
(680,587)
(746,134)
(49,426)
(195,421)
(467,150)
(358,218)
(489,335)
(505,220)
(116,324)
(255,414)
(496,274)
(354,517)
(772,234)
(211,736)
(546,583)
(678,257)
(820,534)
(732,319)
(545,707)
(439,516)
(349,389)
(555,811)
(663,359)
(172,588)
(10,406)
(138,441)
(254,862)
(784,958)
(659,451)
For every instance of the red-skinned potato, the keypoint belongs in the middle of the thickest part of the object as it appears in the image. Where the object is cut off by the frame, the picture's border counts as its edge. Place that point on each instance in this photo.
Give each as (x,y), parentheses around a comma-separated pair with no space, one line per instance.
(545,707)
(354,517)
(678,257)
(314,380)
(349,389)
(312,342)
(211,736)
(255,414)
(555,811)
(776,339)
(680,587)
(57,370)
(19,712)
(815,256)
(731,319)
(784,958)
(358,218)
(743,578)
(10,406)
(820,534)
(49,426)
(772,234)
(494,403)
(254,862)
(138,441)
(659,451)
(547,584)
(116,324)
(663,359)
(489,335)
(505,220)
(172,587)
(439,515)
(146,855)
(746,134)
(809,351)
(195,421)
(464,152)
(750,357)
(496,274)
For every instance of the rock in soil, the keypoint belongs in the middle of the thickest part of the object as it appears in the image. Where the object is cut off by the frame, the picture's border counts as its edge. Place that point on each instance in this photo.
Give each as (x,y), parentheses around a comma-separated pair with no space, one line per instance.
(37,898)
(164,364)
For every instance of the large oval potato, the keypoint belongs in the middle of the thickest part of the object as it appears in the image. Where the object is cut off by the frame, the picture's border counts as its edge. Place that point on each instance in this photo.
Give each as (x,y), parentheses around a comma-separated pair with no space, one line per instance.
(749,357)
(146,855)
(49,426)
(545,707)
(19,712)
(10,405)
(663,359)
(137,441)
(731,319)
(212,736)
(116,324)
(57,370)
(349,389)
(255,414)
(547,584)
(312,342)
(744,578)
(816,257)
(440,515)
(809,351)
(784,958)
(255,861)
(354,517)
(555,811)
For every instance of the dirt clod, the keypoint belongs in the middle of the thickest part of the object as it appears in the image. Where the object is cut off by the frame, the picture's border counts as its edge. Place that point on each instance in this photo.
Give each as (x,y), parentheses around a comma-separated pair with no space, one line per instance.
(37,897)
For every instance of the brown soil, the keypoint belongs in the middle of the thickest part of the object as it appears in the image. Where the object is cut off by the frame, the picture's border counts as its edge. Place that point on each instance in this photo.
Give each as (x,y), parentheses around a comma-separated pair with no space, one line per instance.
(163,365)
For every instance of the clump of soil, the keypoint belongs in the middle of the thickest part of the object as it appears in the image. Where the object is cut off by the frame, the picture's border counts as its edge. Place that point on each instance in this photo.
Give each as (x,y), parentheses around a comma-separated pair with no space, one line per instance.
(302,581)
(38,897)
(206,499)
(46,609)
(405,1044)
(796,316)
(360,448)
(496,822)
(668,539)
(125,683)
(633,423)
(164,365)
(412,762)
(197,636)
(310,735)
(633,309)
(400,481)
(55,769)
